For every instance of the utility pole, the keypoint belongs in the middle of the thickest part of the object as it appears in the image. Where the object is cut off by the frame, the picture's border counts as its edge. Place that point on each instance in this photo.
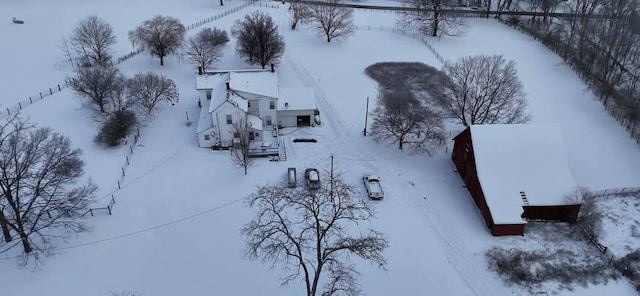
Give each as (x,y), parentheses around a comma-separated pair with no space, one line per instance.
(366,115)
(331,178)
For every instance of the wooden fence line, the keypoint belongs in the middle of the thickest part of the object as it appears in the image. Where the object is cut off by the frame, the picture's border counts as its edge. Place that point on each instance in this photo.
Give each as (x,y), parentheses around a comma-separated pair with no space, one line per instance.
(414,35)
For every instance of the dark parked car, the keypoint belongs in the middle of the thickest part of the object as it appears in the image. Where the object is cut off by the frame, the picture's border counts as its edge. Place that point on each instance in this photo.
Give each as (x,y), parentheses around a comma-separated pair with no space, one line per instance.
(312,177)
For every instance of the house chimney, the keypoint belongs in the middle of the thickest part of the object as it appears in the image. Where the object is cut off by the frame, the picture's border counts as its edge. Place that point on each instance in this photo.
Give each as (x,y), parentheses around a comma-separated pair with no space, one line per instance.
(273,68)
(199,70)
(227,83)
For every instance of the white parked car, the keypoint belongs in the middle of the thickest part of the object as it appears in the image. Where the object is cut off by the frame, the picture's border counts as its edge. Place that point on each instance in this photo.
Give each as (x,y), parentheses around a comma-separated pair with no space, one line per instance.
(372,184)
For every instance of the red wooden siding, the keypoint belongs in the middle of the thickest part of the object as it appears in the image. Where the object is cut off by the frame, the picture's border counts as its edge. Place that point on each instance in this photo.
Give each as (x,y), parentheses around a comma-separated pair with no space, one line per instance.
(464,160)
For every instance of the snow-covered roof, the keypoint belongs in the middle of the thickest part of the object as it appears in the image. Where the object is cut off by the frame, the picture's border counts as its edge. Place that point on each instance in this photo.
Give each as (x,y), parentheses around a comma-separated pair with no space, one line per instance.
(218,85)
(514,158)
(254,122)
(210,80)
(301,98)
(238,101)
(204,121)
(264,83)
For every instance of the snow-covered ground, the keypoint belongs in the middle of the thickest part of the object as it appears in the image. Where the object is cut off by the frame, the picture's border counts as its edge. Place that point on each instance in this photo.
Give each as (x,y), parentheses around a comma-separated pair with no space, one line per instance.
(621,223)
(437,236)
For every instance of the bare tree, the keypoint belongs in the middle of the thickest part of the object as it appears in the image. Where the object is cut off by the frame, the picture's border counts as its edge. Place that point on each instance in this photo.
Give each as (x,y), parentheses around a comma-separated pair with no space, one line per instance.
(149,90)
(203,49)
(590,217)
(331,20)
(258,40)
(160,36)
(428,18)
(40,178)
(118,100)
(484,90)
(311,233)
(242,142)
(401,118)
(299,12)
(90,42)
(95,85)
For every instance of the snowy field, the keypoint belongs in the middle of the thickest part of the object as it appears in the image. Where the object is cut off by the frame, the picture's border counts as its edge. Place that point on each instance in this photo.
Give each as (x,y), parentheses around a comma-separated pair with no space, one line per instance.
(437,235)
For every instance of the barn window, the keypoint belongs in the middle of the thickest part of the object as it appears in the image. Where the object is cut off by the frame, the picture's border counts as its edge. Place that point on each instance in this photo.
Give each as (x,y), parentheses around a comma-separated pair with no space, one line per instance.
(229,121)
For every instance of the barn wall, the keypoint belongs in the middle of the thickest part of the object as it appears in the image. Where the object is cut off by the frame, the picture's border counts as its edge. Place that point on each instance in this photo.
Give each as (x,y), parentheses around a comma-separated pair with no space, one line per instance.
(507,229)
(465,163)
(562,213)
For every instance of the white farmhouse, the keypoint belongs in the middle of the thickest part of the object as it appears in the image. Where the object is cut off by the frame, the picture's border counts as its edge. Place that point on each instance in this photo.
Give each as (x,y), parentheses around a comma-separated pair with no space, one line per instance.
(252,95)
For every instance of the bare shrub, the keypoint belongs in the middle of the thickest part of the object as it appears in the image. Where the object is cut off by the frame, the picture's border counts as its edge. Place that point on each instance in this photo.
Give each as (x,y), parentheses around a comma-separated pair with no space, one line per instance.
(530,269)
(589,223)
(119,125)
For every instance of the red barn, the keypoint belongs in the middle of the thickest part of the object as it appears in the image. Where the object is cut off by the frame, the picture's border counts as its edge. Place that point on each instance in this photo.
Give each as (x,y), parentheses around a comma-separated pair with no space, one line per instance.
(516,173)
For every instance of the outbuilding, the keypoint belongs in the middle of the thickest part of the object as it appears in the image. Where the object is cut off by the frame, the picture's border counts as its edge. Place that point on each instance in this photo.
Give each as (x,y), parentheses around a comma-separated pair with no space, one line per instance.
(296,107)
(516,173)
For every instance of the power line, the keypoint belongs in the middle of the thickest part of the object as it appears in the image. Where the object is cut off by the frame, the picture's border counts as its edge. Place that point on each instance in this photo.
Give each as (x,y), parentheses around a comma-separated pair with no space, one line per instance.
(142,230)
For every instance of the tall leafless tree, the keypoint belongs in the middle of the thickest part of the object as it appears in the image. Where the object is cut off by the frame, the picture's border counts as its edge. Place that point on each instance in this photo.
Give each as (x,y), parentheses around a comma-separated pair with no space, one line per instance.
(299,13)
(312,234)
(42,195)
(90,43)
(242,142)
(149,90)
(332,21)
(258,40)
(428,18)
(401,118)
(203,49)
(484,90)
(95,85)
(160,36)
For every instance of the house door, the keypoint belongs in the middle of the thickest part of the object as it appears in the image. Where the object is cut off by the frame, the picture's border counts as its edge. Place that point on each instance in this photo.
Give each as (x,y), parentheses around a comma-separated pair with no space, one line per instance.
(303,120)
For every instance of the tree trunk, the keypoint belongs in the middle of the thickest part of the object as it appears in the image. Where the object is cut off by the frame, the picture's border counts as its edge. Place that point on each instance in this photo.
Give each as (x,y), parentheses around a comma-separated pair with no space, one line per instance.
(5,228)
(221,4)
(26,245)
(435,23)
(161,60)
(328,38)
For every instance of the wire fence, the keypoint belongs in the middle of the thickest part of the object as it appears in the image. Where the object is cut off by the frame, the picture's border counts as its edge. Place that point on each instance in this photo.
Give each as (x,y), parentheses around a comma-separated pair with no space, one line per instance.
(414,35)
(622,191)
(221,15)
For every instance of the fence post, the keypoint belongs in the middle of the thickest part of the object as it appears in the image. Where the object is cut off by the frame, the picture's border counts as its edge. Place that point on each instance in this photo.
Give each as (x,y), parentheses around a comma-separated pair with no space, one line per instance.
(118,184)
(40,96)
(8,112)
(122,168)
(20,105)
(59,89)
(30,101)
(131,149)
(91,211)
(50,91)
(127,158)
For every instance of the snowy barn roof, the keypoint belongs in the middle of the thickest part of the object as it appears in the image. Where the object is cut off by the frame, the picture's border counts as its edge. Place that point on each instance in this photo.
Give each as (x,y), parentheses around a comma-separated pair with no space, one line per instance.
(301,98)
(515,158)
(264,83)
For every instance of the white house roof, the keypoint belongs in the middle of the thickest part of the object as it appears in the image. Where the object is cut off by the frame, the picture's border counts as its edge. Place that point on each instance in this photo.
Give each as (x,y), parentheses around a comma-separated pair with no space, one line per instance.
(264,83)
(511,158)
(238,101)
(254,122)
(210,80)
(301,98)
(204,121)
(217,83)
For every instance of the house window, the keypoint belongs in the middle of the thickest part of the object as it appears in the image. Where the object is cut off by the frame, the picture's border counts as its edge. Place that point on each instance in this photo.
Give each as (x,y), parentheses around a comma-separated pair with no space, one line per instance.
(251,137)
(208,95)
(272,105)
(206,137)
(229,121)
(249,104)
(236,135)
(268,120)
(257,135)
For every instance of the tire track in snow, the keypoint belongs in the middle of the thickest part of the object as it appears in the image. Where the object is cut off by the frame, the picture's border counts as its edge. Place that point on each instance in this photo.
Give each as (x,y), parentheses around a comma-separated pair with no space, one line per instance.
(322,100)
(456,256)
